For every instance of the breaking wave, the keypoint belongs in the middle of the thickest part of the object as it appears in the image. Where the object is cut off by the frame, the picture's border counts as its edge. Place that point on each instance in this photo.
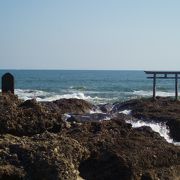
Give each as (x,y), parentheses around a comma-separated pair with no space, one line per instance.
(160,128)
(96,97)
(126,112)
(52,96)
(40,95)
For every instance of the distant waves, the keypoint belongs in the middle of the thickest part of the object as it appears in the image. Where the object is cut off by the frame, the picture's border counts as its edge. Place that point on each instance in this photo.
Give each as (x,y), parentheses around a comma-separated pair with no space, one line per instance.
(91,96)
(95,86)
(52,96)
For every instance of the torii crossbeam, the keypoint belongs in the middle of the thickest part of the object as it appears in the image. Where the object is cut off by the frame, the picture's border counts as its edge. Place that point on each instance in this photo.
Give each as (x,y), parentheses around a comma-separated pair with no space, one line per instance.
(164,75)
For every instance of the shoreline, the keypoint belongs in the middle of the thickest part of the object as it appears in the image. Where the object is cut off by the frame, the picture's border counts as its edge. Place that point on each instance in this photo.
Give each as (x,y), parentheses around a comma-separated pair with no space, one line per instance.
(35,135)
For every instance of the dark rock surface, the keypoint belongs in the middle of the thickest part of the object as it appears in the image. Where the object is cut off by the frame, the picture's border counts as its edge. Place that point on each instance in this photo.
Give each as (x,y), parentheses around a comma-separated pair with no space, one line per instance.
(120,152)
(36,143)
(74,106)
(30,117)
(26,118)
(164,110)
(42,156)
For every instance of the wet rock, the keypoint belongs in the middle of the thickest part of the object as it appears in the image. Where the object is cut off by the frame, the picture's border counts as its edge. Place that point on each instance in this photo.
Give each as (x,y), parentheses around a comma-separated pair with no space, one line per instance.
(164,110)
(31,117)
(75,106)
(89,117)
(31,103)
(37,143)
(174,126)
(118,150)
(105,108)
(121,106)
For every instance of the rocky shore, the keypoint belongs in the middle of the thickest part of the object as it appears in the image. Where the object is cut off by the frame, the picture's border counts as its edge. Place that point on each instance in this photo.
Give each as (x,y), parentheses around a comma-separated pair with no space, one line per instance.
(71,139)
(165,110)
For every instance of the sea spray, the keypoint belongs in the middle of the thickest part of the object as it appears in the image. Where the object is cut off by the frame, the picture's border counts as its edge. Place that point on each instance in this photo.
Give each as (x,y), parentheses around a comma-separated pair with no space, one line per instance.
(160,128)
(40,95)
(143,93)
(93,96)
(126,112)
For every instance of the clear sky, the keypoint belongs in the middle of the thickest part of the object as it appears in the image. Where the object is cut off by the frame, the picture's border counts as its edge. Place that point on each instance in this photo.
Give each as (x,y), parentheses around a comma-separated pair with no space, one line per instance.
(90,34)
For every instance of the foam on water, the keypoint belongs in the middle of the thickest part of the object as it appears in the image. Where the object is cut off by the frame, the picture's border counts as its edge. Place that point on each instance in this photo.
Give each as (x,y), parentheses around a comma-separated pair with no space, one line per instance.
(41,95)
(126,112)
(66,116)
(26,94)
(149,93)
(160,128)
(52,96)
(96,111)
(95,97)
(107,119)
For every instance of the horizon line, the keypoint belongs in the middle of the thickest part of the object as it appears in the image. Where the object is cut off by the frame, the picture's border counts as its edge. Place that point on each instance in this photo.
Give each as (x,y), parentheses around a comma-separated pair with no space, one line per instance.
(18,69)
(53,69)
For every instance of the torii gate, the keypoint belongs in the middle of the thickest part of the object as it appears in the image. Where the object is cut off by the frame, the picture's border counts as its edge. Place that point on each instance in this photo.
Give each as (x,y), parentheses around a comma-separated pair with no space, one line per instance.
(164,75)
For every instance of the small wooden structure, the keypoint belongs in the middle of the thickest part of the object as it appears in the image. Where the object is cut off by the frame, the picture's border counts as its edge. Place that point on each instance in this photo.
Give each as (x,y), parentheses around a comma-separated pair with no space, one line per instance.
(8,83)
(164,75)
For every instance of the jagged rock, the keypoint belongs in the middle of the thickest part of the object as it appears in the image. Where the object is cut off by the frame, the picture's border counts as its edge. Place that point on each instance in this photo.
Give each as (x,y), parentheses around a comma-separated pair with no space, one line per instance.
(35,143)
(105,108)
(88,117)
(164,110)
(44,156)
(119,151)
(31,117)
(26,118)
(75,106)
(31,103)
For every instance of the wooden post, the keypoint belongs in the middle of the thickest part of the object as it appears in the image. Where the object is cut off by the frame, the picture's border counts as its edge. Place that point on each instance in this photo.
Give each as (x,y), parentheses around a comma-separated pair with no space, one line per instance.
(154,86)
(176,86)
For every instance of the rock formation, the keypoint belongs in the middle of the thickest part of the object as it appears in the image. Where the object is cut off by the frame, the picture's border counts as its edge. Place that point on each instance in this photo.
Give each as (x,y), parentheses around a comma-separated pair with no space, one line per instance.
(162,109)
(36,143)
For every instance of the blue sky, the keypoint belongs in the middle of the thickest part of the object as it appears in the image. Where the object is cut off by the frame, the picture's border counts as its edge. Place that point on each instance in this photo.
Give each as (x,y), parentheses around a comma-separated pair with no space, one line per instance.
(90,34)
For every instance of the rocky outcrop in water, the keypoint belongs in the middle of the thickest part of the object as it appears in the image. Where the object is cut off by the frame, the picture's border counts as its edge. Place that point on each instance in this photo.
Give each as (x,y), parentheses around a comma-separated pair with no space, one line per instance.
(164,110)
(37,143)
(73,106)
(30,117)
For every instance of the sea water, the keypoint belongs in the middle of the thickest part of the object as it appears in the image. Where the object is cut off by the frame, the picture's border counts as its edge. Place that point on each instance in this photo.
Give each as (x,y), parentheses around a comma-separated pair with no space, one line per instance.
(97,87)
(94,86)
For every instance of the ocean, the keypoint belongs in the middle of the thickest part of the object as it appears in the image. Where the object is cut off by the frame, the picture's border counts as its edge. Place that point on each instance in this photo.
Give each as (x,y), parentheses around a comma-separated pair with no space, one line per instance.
(92,85)
(97,87)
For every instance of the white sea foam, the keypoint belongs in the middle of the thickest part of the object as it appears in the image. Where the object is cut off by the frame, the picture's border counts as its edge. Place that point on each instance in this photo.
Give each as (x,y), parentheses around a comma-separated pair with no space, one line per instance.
(126,112)
(93,97)
(30,94)
(96,111)
(149,93)
(66,116)
(52,96)
(160,128)
(107,119)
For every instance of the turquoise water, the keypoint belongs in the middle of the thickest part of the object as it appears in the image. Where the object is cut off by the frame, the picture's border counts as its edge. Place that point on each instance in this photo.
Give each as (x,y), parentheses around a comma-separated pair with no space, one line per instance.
(94,86)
